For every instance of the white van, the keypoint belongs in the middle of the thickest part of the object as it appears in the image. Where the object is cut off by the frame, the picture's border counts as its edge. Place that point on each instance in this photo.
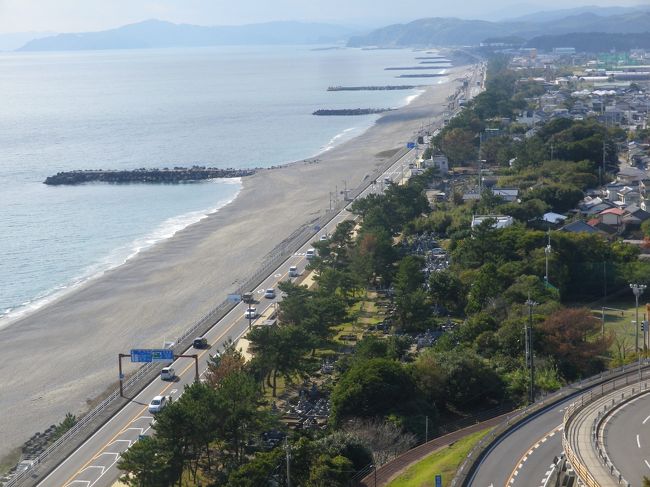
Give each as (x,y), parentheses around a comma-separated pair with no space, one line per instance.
(310,254)
(167,373)
(293,271)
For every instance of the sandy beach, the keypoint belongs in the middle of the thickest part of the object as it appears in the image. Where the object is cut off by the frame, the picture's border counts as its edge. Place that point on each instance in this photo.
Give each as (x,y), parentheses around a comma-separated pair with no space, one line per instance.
(62,356)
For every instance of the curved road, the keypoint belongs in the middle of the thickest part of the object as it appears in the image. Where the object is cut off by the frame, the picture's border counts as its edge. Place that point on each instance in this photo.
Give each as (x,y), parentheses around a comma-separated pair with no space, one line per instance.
(523,458)
(627,433)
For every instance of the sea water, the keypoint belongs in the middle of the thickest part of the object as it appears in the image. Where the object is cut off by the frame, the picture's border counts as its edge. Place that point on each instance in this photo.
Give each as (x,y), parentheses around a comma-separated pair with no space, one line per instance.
(225,107)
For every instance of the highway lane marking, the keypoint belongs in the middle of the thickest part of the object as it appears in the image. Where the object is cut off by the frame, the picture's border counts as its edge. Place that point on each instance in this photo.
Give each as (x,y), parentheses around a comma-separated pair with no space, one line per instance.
(139,416)
(646,463)
(526,456)
(646,420)
(638,443)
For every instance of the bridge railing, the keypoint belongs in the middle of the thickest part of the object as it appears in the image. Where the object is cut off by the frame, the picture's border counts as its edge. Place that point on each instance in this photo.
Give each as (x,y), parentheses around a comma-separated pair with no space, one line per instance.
(587,399)
(480,450)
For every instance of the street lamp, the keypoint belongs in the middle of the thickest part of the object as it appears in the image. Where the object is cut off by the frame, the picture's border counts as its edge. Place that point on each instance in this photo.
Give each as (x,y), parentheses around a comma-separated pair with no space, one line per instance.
(547,253)
(637,289)
(530,357)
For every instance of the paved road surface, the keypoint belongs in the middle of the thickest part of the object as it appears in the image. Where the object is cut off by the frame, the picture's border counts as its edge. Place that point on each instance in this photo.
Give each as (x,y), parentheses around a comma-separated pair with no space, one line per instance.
(523,458)
(628,439)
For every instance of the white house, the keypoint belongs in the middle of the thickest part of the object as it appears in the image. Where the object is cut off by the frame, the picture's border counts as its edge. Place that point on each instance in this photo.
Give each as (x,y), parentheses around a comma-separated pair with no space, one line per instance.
(500,221)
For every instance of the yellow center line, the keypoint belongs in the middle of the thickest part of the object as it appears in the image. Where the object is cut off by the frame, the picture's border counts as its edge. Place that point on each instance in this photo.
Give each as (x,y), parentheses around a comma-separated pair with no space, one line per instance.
(526,454)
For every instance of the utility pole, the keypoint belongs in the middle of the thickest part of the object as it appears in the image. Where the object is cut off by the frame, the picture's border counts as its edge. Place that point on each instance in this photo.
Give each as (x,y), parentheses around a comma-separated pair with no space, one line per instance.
(426,429)
(530,354)
(288,450)
(604,157)
(547,253)
(637,289)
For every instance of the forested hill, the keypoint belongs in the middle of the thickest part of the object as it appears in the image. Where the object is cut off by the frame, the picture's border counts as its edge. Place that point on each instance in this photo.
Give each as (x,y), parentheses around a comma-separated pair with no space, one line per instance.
(451,31)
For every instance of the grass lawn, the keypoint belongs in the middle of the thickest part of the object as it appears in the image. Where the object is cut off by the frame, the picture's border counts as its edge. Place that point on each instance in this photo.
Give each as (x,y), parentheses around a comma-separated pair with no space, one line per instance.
(443,462)
(620,323)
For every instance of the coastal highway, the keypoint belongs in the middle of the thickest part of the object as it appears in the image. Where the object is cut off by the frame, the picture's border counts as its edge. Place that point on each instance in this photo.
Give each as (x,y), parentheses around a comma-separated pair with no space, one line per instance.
(523,457)
(627,433)
(93,464)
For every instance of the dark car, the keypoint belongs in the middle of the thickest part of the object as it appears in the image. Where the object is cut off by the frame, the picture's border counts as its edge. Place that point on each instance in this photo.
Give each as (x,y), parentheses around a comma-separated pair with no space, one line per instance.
(200,342)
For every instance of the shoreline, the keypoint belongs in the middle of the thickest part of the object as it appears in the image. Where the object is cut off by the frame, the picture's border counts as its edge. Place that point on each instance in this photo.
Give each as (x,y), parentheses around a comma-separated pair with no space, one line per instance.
(105,264)
(165,288)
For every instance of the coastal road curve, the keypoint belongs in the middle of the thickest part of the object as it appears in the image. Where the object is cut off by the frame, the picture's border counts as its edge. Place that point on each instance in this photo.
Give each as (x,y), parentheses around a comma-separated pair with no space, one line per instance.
(93,464)
(523,457)
(627,439)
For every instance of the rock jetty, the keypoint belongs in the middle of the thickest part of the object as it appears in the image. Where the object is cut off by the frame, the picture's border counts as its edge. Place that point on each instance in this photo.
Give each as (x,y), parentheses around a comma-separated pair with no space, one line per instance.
(428,75)
(352,111)
(372,88)
(175,175)
(409,68)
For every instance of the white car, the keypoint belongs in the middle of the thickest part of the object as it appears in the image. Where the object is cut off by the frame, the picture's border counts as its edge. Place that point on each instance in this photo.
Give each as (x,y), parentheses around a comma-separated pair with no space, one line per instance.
(168,373)
(157,404)
(293,271)
(250,314)
(323,238)
(269,293)
(310,254)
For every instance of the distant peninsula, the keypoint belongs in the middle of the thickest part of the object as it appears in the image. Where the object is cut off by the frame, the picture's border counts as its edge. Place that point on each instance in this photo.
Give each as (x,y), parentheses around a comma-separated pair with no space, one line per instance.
(160,34)
(168,176)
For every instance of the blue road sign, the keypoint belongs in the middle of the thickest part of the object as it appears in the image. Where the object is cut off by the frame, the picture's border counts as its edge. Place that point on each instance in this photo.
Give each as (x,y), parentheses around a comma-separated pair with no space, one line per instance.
(438,480)
(152,355)
(410,145)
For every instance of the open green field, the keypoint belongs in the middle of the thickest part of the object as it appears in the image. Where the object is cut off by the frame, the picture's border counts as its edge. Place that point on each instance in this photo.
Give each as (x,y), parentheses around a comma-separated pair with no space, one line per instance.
(442,462)
(620,322)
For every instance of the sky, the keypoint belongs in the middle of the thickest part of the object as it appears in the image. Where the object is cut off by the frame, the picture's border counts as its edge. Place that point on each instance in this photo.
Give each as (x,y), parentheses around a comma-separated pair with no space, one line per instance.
(90,15)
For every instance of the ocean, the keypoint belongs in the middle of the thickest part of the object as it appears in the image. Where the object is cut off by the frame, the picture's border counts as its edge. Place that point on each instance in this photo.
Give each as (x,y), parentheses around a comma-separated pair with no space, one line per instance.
(224,107)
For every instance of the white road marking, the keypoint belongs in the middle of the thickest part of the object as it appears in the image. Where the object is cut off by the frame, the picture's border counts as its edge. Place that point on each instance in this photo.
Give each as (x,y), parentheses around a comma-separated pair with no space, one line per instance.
(647,464)
(646,420)
(638,443)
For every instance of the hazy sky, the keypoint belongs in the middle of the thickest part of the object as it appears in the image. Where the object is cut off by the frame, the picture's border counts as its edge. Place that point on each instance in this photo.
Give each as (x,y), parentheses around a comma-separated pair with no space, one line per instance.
(85,15)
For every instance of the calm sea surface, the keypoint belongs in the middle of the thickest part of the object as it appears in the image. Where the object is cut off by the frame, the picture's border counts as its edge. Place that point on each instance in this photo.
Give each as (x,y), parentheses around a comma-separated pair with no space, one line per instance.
(225,107)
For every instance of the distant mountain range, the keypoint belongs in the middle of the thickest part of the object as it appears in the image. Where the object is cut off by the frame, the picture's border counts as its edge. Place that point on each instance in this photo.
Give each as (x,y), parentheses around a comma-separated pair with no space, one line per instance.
(452,31)
(550,15)
(12,41)
(157,33)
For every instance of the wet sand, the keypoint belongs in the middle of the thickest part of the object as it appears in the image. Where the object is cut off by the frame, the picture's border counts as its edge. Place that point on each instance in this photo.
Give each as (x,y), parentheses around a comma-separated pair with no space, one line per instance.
(62,356)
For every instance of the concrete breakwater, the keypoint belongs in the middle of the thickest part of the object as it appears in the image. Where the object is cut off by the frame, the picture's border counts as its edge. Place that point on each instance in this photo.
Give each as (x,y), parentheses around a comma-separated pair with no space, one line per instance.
(175,175)
(372,88)
(409,68)
(428,75)
(352,111)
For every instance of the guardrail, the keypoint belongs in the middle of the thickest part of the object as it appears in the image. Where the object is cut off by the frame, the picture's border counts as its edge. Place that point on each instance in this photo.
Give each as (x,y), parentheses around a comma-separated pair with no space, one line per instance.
(581,469)
(135,383)
(476,455)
